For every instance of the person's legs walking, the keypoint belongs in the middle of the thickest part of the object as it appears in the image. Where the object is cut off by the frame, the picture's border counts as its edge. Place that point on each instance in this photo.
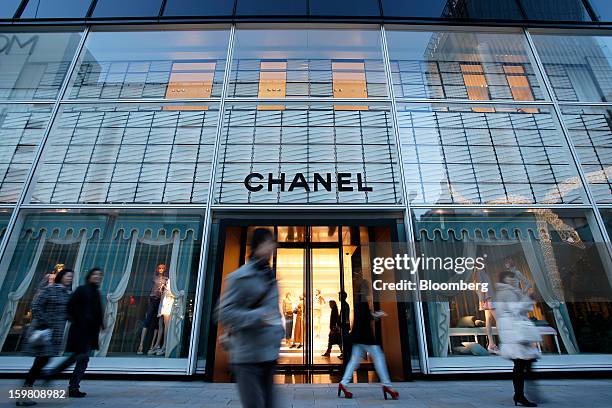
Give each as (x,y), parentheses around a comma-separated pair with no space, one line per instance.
(268,384)
(518,378)
(249,385)
(82,360)
(353,364)
(380,365)
(34,373)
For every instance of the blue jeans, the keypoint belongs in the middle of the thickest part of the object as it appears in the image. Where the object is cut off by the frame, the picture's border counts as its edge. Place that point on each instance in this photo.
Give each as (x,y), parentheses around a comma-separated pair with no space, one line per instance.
(358,354)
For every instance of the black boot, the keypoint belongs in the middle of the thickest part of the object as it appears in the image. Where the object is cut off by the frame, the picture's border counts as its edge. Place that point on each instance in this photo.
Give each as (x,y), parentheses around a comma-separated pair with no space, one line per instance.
(76,393)
(521,400)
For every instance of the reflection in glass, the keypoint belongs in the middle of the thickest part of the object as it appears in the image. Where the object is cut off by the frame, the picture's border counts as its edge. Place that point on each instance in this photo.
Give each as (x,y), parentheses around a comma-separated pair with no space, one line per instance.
(169,64)
(591,131)
(127,246)
(462,65)
(34,64)
(369,8)
(457,154)
(602,9)
(555,10)
(21,129)
(316,62)
(128,154)
(541,247)
(578,66)
(8,8)
(132,8)
(175,8)
(272,8)
(56,9)
(310,144)
(475,9)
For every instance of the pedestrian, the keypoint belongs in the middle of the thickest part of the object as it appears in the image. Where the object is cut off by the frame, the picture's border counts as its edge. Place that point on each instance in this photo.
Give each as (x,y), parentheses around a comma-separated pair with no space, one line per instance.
(517,333)
(49,315)
(249,312)
(335,336)
(86,317)
(363,340)
(345,328)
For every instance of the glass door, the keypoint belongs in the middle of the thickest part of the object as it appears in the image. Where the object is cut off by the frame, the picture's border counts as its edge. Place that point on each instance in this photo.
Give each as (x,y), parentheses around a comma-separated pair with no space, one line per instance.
(290,266)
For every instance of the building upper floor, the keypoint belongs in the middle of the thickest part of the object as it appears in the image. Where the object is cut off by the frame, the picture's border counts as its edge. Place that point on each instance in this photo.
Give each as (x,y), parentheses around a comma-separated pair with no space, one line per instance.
(509,11)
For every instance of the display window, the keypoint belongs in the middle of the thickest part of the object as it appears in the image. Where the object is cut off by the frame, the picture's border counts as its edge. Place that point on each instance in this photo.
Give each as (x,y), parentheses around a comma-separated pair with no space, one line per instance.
(558,258)
(149,260)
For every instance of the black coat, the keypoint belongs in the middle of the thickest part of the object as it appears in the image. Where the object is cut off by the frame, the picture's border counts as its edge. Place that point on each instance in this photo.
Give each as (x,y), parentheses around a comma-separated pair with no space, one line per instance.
(85,313)
(362,332)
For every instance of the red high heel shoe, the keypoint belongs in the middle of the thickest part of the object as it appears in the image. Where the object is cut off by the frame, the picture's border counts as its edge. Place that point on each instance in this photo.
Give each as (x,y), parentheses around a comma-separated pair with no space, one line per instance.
(388,390)
(347,393)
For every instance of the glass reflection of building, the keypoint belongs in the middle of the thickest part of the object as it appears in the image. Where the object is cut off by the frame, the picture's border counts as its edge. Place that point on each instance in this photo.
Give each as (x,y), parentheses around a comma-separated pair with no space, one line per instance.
(126,146)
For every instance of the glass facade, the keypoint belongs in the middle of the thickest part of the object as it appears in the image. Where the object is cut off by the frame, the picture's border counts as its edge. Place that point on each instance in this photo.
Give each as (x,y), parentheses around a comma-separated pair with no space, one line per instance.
(128,148)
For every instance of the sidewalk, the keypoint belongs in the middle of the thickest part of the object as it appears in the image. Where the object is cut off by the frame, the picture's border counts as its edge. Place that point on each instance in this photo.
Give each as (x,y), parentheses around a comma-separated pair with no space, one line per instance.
(419,394)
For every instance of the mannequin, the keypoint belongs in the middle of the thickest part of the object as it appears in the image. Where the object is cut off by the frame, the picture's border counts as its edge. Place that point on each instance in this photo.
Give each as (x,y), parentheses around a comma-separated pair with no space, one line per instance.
(521,280)
(151,321)
(485,304)
(288,315)
(318,303)
(163,315)
(298,332)
(49,278)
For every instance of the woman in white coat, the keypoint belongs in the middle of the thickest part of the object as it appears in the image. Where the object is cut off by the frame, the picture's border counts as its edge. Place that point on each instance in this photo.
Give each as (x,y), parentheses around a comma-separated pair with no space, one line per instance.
(517,333)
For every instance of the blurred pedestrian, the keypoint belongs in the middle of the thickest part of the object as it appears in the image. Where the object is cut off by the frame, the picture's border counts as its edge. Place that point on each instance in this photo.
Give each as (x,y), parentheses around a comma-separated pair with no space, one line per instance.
(335,336)
(46,333)
(86,316)
(249,312)
(345,328)
(517,333)
(363,340)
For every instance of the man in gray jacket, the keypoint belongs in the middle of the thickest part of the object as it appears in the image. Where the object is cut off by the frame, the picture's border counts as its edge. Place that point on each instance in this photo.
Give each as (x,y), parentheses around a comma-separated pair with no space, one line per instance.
(249,312)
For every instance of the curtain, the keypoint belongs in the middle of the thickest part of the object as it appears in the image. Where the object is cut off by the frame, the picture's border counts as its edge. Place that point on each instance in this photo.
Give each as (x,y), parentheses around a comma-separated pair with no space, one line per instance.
(113,297)
(543,268)
(440,310)
(8,314)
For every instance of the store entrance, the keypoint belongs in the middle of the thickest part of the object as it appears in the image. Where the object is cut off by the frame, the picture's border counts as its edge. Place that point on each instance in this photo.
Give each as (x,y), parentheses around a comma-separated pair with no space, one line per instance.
(309,272)
(317,266)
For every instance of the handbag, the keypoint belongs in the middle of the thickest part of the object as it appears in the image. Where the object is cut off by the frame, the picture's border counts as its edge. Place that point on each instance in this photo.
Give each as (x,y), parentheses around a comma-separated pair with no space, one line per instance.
(39,337)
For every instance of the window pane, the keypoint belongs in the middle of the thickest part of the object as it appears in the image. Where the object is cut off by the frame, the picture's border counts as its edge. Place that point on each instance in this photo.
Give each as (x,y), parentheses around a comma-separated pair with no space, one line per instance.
(602,9)
(8,8)
(33,65)
(312,144)
(128,154)
(539,247)
(21,129)
(128,247)
(271,8)
(579,67)
(151,64)
(199,8)
(556,10)
(486,154)
(56,9)
(321,63)
(132,8)
(591,131)
(368,8)
(462,65)
(474,9)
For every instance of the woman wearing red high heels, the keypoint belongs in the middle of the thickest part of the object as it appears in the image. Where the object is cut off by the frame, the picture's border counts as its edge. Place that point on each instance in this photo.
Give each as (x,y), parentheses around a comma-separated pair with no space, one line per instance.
(363,339)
